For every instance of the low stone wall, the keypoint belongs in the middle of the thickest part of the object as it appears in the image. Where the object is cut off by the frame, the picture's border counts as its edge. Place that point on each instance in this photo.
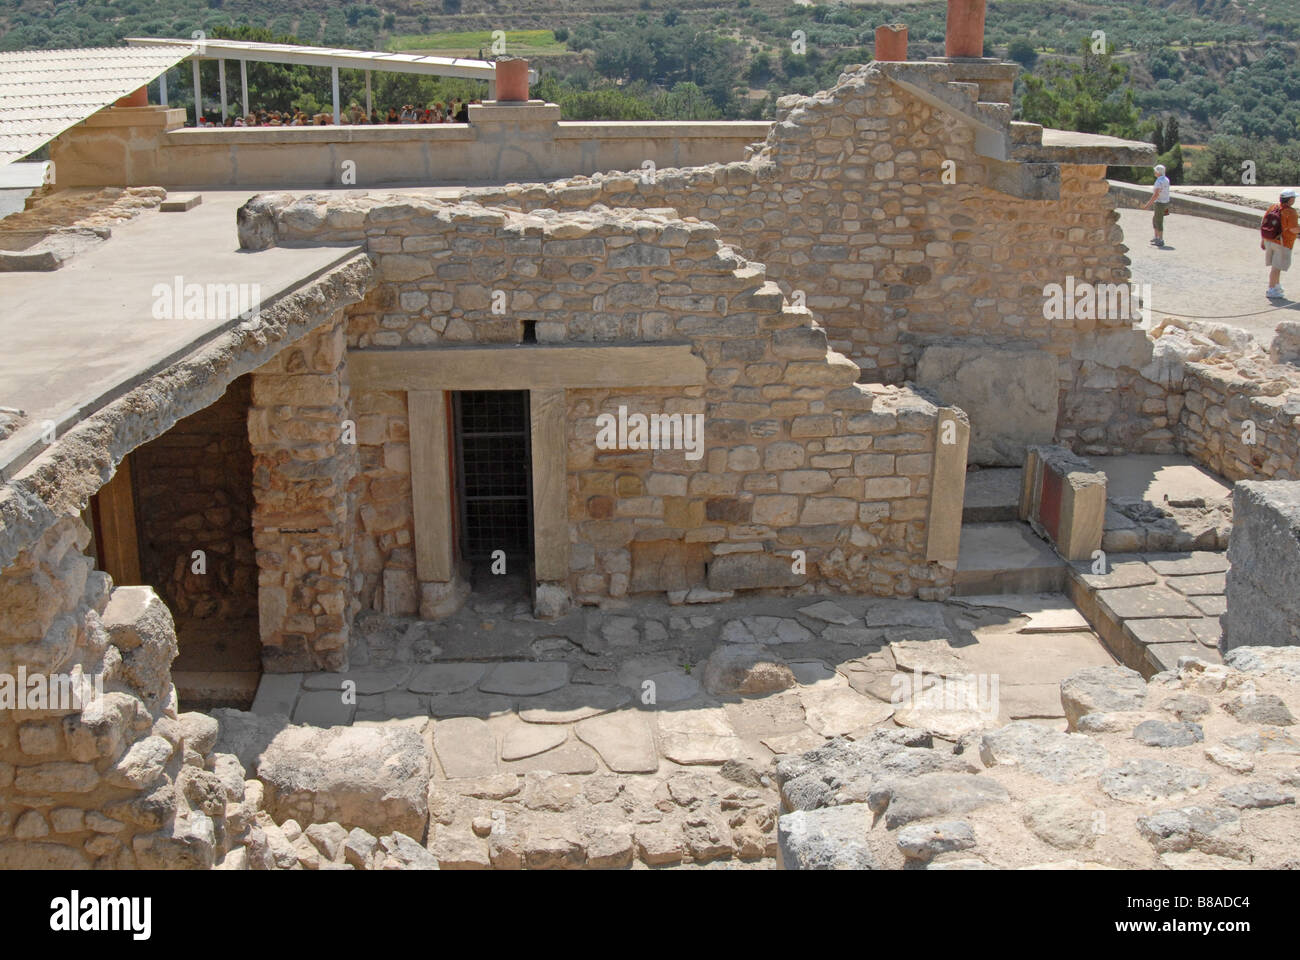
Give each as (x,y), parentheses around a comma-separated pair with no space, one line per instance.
(137,146)
(1264,580)
(1242,422)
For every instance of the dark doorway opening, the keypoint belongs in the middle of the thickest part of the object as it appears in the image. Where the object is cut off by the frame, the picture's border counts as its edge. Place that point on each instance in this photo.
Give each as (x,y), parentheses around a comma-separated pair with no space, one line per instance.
(494,488)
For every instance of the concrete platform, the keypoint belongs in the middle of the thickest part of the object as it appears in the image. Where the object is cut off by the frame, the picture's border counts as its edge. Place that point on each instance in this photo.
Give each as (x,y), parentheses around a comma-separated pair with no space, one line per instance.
(992,495)
(77,339)
(1163,502)
(1006,558)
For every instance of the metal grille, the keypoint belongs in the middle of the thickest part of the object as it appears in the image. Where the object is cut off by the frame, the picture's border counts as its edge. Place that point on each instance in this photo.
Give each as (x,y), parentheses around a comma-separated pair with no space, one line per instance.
(493,474)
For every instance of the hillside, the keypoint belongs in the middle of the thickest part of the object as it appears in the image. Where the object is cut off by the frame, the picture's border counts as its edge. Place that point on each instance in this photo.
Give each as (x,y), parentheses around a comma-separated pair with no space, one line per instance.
(1218,67)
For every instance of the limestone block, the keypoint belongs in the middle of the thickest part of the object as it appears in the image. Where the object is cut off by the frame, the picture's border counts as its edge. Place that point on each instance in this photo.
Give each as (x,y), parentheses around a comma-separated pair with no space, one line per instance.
(1009,395)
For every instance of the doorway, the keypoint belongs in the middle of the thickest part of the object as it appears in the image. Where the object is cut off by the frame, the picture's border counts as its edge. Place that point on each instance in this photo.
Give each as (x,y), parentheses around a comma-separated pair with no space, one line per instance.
(494,489)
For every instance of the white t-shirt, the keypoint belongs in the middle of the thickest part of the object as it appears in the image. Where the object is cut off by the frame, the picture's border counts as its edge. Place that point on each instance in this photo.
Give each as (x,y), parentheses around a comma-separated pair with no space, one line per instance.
(1162,190)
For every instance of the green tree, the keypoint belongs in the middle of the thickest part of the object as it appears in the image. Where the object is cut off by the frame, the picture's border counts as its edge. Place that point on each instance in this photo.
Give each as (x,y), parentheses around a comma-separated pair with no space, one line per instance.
(1023,53)
(1090,95)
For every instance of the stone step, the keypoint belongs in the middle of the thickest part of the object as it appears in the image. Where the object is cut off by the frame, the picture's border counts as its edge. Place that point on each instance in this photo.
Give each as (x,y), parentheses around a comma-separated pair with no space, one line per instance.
(1023,133)
(992,495)
(207,689)
(994,114)
(1006,558)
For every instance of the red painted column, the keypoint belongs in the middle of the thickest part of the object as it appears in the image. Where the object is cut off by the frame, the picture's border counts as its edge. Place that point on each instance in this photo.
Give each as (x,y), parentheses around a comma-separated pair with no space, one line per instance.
(891,41)
(512,79)
(965,28)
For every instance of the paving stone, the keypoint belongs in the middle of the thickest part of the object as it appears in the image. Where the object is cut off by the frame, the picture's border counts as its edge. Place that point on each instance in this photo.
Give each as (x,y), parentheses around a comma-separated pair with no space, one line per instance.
(323,708)
(673,686)
(1166,630)
(1265,740)
(569,758)
(525,678)
(1137,602)
(858,636)
(945,724)
(905,613)
(1211,606)
(277,693)
(1018,658)
(1062,820)
(762,716)
(1200,584)
(923,843)
(469,703)
(1256,795)
(1186,706)
(366,682)
(697,736)
(1145,781)
(1163,733)
(1123,570)
(1263,708)
(1208,632)
(577,701)
(808,672)
(1058,757)
(622,739)
(798,741)
(446,677)
(1229,758)
(903,801)
(1165,656)
(928,656)
(833,712)
(1195,562)
(529,739)
(637,670)
(746,669)
(1102,690)
(465,747)
(766,630)
(1030,701)
(829,612)
(1050,613)
(834,838)
(1211,830)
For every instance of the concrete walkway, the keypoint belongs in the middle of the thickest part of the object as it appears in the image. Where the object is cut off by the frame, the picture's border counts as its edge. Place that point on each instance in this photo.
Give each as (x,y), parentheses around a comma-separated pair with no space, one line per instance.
(79,337)
(1207,270)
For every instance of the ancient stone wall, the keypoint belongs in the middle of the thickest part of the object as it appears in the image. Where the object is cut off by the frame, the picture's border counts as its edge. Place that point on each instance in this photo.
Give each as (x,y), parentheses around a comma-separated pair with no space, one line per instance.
(194,492)
(304,464)
(1244,425)
(846,204)
(798,455)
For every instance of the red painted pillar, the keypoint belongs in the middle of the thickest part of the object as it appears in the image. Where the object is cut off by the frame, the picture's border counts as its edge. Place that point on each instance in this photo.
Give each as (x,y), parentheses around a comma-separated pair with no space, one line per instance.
(965,28)
(891,41)
(512,79)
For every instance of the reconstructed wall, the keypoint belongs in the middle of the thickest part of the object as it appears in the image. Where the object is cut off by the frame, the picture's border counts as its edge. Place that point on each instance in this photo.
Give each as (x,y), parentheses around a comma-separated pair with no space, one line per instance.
(304,463)
(798,456)
(194,492)
(846,202)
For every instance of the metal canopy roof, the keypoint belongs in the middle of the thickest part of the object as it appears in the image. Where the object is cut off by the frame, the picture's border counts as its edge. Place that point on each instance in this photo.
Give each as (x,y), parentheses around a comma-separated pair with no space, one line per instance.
(330,57)
(44,92)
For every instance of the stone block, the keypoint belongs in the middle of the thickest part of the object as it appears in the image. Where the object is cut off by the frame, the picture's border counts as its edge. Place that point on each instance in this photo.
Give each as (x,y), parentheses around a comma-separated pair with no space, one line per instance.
(1009,395)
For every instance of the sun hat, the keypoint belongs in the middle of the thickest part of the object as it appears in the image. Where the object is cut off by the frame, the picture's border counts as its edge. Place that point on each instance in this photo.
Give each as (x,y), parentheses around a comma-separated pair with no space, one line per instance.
(1288,194)
(1160,169)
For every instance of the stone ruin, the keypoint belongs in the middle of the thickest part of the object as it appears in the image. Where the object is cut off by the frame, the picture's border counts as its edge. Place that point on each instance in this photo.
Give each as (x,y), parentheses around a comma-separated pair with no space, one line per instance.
(835,314)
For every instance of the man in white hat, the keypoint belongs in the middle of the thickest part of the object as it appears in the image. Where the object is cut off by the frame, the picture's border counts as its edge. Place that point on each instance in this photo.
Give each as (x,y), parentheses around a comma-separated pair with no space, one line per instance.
(1159,197)
(1278,232)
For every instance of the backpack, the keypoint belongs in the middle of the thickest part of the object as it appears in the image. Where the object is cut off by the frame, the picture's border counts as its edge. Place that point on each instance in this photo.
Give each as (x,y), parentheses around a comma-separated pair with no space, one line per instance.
(1271,226)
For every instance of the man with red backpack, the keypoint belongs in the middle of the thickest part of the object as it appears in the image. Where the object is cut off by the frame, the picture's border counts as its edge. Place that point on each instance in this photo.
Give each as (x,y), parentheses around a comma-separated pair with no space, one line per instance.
(1278,231)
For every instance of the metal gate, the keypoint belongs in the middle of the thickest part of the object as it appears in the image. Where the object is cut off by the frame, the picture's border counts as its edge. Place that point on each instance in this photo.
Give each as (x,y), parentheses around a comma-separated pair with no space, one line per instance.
(494,489)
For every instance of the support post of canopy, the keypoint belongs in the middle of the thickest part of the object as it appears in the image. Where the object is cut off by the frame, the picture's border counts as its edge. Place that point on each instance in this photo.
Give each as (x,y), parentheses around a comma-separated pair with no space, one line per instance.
(162,88)
(369,107)
(198,95)
(334,82)
(221,82)
(243,83)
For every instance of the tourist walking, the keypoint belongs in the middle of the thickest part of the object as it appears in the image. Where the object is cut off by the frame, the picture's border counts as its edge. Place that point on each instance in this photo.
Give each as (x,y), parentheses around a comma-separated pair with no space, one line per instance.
(1278,232)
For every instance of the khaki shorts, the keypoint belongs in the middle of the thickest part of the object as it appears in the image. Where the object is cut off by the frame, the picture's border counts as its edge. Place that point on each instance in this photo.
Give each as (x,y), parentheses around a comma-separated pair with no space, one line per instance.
(1276,256)
(1158,220)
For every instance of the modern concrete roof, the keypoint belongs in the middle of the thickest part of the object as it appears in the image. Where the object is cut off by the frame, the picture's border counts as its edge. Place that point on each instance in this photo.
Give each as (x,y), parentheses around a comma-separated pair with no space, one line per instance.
(79,337)
(332,57)
(44,92)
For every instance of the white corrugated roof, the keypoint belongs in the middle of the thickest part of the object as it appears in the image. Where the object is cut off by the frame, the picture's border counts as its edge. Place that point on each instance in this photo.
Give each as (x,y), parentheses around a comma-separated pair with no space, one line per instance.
(44,92)
(333,57)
